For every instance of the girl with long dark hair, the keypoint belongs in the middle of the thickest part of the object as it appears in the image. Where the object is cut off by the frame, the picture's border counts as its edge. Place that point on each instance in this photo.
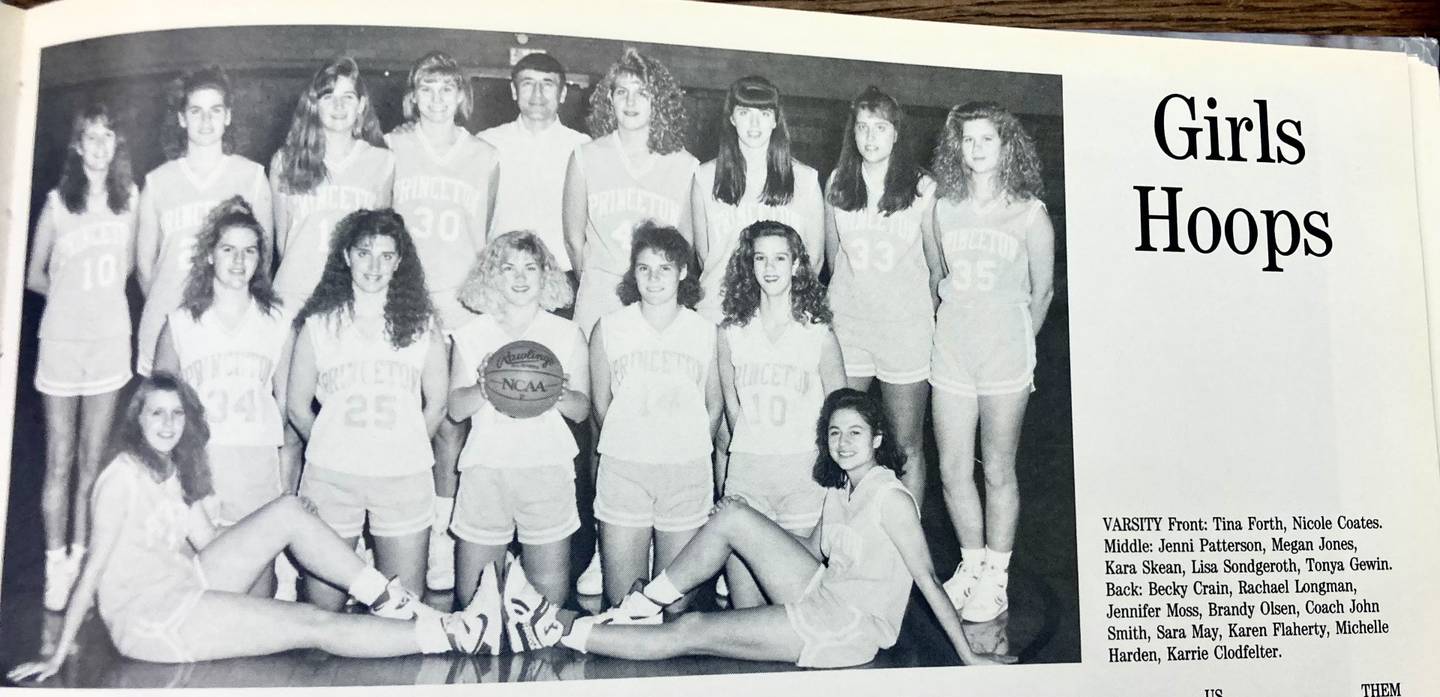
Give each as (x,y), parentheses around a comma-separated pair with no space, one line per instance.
(754,177)
(369,352)
(881,247)
(79,262)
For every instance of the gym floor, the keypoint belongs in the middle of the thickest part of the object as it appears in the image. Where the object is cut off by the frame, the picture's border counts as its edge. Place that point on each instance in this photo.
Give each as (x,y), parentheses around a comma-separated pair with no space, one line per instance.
(1041,626)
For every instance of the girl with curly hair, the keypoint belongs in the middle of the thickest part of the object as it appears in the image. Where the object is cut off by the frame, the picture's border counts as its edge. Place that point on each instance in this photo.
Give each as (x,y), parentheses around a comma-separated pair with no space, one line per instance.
(369,352)
(445,183)
(230,341)
(333,162)
(881,246)
(754,177)
(79,262)
(202,171)
(516,475)
(636,169)
(657,399)
(998,254)
(778,360)
(172,590)
(837,596)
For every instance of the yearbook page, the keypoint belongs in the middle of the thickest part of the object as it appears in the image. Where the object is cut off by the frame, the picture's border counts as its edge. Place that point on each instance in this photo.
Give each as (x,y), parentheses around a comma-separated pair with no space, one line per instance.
(657,346)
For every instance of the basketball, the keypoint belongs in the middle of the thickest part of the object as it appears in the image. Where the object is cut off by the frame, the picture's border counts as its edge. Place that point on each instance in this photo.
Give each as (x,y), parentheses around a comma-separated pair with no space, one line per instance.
(523,379)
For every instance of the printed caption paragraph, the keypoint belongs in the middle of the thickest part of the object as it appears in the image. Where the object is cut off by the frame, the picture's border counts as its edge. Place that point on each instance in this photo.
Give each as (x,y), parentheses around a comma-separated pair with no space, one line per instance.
(1222,588)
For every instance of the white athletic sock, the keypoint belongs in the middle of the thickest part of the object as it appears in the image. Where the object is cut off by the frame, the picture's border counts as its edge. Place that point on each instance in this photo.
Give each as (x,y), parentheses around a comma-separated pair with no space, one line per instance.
(662,591)
(971,559)
(367,586)
(444,508)
(430,635)
(997,561)
(579,635)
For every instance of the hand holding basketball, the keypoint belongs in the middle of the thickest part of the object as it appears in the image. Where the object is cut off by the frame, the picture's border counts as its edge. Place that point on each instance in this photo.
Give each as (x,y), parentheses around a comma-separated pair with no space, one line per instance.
(523,379)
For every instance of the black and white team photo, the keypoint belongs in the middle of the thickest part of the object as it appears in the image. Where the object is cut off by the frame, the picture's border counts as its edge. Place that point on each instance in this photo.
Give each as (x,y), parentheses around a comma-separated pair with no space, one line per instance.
(387,356)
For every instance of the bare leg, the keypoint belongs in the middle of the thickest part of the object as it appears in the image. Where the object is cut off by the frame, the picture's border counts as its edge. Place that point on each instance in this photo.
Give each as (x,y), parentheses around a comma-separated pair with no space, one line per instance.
(470,560)
(955,419)
(61,419)
(404,557)
(906,404)
(235,559)
(448,441)
(780,563)
(744,590)
(756,634)
(1001,417)
(96,413)
(226,625)
(624,557)
(667,547)
(548,568)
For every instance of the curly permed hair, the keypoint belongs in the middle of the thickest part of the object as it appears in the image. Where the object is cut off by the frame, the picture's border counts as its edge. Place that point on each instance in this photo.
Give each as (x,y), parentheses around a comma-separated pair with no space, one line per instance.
(902,175)
(1019,169)
(199,291)
(437,65)
(173,139)
(407,303)
(889,455)
(188,458)
(740,294)
(667,102)
(74,184)
(302,158)
(669,243)
(483,290)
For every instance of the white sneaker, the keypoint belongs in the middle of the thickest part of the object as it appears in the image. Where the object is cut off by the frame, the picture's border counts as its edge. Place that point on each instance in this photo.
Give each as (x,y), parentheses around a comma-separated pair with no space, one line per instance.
(440,566)
(634,608)
(484,611)
(60,572)
(530,619)
(466,634)
(399,603)
(960,586)
(592,579)
(988,598)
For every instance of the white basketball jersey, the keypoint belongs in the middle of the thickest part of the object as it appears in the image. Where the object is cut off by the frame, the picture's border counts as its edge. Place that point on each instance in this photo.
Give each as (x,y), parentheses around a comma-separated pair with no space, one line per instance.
(371,420)
(881,273)
(723,222)
(233,371)
(359,180)
(442,196)
(986,249)
(621,194)
(151,549)
(497,440)
(657,381)
(778,383)
(173,206)
(89,261)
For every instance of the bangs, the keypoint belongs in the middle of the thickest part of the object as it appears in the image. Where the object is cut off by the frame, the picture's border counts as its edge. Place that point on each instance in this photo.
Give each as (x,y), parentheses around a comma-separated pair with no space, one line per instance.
(755,95)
